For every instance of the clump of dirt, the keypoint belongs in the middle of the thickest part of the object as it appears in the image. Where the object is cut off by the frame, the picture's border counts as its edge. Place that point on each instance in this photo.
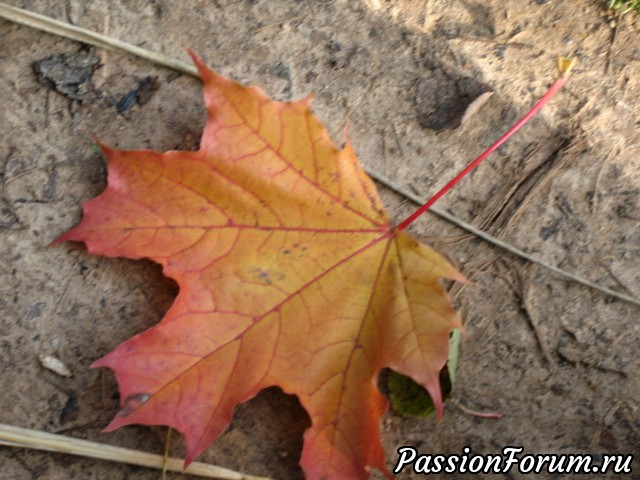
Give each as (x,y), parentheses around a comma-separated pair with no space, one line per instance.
(69,74)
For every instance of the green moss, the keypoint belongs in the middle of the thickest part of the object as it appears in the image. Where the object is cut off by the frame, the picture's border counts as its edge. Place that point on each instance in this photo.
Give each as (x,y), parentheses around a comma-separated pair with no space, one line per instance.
(625,6)
(412,400)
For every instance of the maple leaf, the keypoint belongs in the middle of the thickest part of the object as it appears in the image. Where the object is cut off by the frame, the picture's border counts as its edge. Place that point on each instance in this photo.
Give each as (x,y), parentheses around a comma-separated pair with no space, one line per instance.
(290,274)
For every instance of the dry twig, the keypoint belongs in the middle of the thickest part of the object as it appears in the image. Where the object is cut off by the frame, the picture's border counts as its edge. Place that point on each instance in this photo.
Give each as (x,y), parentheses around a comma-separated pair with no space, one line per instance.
(26,438)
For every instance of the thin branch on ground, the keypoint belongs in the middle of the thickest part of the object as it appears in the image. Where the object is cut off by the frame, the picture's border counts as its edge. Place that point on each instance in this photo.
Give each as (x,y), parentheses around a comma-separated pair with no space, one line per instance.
(475,413)
(496,242)
(34,439)
(79,34)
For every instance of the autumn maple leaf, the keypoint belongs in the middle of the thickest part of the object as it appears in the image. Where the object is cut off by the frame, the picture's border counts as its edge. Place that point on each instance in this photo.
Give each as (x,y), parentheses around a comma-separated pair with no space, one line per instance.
(290,275)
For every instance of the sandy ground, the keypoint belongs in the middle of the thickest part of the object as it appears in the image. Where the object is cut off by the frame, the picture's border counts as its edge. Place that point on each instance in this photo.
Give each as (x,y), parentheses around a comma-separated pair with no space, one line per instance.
(559,361)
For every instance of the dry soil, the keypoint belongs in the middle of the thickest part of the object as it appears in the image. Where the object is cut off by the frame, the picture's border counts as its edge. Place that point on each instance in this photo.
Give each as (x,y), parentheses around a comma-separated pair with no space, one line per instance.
(559,361)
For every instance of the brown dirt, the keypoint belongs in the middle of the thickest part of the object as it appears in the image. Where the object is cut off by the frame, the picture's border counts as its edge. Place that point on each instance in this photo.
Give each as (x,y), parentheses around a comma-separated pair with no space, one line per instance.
(558,360)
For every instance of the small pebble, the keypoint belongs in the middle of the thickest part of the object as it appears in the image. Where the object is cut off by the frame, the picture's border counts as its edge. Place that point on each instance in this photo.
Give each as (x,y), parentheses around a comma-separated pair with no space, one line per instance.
(55,365)
(127,101)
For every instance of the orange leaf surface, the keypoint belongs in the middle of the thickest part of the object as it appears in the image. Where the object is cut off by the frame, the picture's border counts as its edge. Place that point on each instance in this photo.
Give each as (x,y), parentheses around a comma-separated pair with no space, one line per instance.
(290,275)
